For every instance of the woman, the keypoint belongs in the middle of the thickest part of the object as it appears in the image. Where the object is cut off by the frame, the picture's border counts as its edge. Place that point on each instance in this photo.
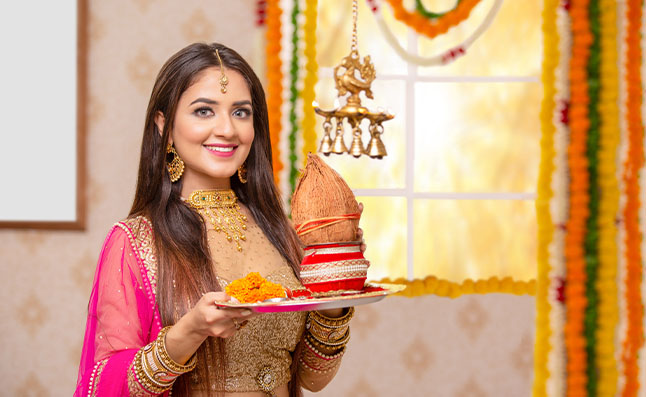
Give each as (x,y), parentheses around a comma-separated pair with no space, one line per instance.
(206,211)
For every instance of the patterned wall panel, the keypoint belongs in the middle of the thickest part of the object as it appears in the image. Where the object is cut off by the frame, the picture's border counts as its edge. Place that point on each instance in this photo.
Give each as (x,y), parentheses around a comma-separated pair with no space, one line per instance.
(425,346)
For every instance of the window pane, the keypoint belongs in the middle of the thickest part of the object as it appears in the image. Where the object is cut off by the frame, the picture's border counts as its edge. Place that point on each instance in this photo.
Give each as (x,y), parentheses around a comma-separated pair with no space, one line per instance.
(365,172)
(459,239)
(476,136)
(384,228)
(334,36)
(510,46)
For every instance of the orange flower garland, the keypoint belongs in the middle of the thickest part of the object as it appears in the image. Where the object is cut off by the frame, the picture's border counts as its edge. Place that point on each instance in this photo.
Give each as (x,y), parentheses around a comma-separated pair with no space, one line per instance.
(274,82)
(433,27)
(575,299)
(254,288)
(634,161)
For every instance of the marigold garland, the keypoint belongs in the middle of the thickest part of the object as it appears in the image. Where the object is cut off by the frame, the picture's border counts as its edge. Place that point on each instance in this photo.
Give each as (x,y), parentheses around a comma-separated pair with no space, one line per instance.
(575,299)
(274,82)
(544,193)
(311,77)
(254,288)
(444,57)
(293,98)
(431,285)
(606,284)
(635,311)
(435,26)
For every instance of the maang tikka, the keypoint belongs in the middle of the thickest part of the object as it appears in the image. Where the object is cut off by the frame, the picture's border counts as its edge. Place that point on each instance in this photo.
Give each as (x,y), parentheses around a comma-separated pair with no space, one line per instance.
(223,77)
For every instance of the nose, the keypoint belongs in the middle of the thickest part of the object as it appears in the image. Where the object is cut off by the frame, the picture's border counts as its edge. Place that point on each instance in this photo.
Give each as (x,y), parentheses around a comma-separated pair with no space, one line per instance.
(223,126)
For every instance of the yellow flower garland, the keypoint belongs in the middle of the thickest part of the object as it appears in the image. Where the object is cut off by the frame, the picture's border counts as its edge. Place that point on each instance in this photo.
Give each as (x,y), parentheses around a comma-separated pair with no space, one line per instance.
(544,194)
(609,205)
(311,77)
(274,82)
(431,285)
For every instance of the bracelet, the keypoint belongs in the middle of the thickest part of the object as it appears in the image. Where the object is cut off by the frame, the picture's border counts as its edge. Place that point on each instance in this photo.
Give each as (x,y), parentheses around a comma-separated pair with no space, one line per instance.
(143,378)
(311,347)
(343,340)
(309,338)
(332,322)
(314,360)
(153,368)
(310,367)
(167,362)
(326,334)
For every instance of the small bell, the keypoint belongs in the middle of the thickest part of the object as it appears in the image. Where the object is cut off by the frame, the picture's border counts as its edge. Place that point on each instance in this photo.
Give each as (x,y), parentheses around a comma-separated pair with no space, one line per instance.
(339,145)
(357,145)
(376,148)
(326,143)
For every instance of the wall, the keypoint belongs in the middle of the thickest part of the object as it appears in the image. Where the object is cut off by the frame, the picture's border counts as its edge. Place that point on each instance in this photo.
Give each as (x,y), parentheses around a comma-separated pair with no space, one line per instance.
(472,346)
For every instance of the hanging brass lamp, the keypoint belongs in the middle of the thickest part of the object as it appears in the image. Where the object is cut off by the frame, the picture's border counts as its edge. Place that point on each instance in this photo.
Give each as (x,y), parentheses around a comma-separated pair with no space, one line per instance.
(353,113)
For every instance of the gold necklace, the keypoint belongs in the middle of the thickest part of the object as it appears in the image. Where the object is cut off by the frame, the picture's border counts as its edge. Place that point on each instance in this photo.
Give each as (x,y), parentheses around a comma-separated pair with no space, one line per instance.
(220,207)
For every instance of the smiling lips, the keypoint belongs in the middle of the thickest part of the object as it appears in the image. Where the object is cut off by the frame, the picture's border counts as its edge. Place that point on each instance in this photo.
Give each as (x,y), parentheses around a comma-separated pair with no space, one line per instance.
(221,150)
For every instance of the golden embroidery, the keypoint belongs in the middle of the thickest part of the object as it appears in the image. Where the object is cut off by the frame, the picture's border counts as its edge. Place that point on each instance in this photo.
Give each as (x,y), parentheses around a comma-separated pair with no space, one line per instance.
(95,378)
(140,234)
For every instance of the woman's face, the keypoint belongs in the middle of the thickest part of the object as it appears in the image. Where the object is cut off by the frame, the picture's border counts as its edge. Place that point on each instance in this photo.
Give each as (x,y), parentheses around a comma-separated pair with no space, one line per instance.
(213,132)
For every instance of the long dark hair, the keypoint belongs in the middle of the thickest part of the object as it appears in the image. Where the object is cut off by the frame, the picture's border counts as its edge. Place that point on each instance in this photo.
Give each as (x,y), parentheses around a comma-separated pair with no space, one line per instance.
(185,268)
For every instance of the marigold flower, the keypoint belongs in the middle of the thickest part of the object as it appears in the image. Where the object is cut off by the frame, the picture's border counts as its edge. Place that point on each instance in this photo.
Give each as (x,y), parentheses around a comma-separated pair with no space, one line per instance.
(254,288)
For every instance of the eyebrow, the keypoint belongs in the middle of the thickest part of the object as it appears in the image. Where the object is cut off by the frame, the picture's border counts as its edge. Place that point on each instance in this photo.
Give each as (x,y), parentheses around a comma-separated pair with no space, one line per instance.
(213,102)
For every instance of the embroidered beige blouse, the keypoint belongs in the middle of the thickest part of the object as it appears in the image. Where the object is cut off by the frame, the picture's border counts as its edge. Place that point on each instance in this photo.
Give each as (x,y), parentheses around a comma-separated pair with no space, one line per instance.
(266,343)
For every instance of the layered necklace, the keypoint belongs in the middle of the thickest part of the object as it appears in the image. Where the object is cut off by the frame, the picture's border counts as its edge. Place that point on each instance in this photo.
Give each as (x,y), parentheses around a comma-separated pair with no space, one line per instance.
(220,207)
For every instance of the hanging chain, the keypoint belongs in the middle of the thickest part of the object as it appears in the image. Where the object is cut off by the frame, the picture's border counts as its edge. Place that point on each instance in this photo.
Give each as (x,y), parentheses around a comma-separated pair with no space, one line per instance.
(355,12)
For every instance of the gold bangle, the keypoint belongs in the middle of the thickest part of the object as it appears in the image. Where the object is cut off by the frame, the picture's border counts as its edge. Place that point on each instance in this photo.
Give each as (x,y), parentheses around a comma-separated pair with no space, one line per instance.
(332,322)
(311,345)
(156,369)
(326,334)
(166,361)
(341,342)
(310,339)
(142,376)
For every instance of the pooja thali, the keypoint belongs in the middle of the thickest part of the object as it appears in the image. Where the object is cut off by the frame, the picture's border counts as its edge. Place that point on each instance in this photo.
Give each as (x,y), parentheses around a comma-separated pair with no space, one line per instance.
(371,293)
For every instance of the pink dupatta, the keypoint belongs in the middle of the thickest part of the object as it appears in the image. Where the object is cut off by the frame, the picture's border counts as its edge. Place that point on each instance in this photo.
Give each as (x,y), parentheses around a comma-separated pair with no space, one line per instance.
(122,312)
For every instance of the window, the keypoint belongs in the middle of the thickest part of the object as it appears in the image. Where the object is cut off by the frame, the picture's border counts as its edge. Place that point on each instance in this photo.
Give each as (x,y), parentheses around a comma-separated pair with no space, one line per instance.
(454,198)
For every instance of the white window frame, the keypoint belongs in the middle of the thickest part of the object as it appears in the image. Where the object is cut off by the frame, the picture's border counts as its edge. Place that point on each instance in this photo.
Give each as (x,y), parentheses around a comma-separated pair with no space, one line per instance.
(408,192)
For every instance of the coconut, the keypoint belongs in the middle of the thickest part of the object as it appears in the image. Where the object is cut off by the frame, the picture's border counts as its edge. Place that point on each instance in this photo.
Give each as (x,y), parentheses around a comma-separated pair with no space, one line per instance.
(321,193)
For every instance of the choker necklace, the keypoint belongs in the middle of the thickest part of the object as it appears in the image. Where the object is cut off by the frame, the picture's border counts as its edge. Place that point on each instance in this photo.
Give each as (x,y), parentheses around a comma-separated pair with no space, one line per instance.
(220,207)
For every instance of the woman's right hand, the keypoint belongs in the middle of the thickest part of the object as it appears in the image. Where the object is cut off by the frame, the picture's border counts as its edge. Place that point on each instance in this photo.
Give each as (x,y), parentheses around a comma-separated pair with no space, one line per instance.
(203,320)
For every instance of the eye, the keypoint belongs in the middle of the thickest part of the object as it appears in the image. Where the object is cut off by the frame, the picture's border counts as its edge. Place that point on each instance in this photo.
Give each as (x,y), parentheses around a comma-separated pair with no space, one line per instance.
(203,112)
(242,113)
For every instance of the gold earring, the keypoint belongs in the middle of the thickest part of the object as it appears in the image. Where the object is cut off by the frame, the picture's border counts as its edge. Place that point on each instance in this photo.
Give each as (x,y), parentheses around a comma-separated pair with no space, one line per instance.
(223,78)
(175,166)
(242,173)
